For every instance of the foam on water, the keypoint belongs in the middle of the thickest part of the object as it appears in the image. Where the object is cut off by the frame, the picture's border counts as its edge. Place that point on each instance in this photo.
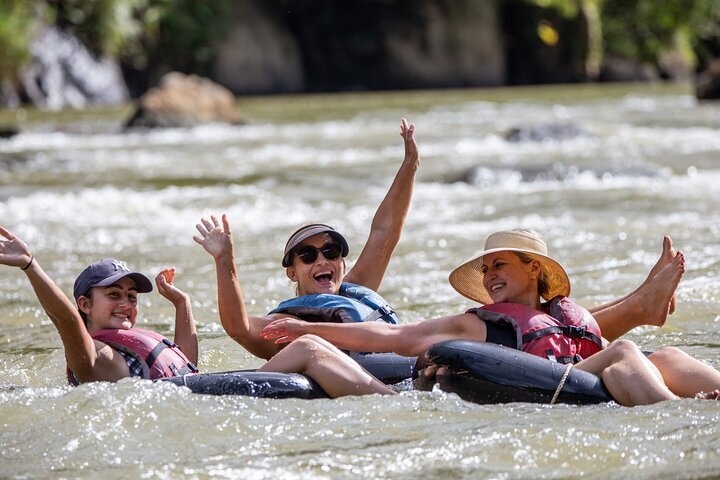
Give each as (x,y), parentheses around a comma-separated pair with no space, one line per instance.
(646,166)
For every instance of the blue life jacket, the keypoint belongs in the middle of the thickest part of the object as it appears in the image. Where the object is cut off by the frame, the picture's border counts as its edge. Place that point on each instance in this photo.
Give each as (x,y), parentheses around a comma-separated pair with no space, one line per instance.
(354,303)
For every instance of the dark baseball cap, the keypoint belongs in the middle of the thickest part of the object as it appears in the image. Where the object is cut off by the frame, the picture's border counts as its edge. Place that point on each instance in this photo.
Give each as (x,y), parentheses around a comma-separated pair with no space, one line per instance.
(106,272)
(308,231)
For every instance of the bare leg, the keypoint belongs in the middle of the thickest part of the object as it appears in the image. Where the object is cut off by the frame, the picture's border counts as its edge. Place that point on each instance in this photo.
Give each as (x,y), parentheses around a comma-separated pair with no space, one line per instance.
(684,375)
(648,305)
(334,371)
(629,376)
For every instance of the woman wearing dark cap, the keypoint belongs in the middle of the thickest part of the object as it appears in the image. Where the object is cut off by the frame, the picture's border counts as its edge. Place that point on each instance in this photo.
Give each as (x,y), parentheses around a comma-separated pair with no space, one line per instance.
(524,293)
(314,259)
(98,333)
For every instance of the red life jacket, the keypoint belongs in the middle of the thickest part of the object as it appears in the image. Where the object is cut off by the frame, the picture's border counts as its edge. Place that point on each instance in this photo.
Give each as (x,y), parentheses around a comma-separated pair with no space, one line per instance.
(566,334)
(158,356)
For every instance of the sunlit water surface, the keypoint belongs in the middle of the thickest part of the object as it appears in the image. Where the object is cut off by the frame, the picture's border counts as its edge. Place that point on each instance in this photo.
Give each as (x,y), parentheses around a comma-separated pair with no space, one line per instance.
(645,162)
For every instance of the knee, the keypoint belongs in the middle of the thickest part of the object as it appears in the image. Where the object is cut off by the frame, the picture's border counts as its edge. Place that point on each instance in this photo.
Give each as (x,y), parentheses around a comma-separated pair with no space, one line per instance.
(309,339)
(306,344)
(667,355)
(625,349)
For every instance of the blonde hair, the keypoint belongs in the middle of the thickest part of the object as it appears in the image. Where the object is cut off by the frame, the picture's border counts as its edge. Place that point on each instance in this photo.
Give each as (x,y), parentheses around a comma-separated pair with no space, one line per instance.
(543,281)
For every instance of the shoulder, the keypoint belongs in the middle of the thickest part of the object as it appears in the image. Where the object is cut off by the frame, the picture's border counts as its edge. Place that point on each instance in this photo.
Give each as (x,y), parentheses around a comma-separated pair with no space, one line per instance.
(109,364)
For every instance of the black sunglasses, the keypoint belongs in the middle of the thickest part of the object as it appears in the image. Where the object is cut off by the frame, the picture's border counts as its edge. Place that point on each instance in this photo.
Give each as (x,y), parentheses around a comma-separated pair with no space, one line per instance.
(308,254)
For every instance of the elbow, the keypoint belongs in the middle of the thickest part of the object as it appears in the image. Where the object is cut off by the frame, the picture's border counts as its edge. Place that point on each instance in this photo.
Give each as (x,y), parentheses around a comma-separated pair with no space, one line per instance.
(235,329)
(401,343)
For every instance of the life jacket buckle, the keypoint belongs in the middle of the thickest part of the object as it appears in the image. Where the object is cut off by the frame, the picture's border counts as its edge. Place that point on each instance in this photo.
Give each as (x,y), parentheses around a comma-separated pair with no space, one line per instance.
(575,332)
(386,310)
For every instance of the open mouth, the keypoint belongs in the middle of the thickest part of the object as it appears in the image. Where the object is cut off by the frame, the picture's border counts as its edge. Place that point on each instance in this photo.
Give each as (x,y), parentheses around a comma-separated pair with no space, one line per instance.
(497,287)
(323,277)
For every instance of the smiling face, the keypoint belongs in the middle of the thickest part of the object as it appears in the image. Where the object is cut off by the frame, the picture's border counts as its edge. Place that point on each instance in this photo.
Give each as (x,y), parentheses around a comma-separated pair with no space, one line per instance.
(320,276)
(114,306)
(508,279)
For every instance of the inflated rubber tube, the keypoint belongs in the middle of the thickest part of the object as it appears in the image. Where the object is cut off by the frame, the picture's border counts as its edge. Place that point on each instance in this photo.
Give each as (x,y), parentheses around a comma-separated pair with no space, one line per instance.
(252,384)
(489,373)
(387,367)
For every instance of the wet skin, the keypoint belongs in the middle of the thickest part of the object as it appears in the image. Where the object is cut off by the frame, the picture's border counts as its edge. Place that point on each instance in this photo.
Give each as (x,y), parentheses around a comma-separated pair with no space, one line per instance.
(508,279)
(321,276)
(114,306)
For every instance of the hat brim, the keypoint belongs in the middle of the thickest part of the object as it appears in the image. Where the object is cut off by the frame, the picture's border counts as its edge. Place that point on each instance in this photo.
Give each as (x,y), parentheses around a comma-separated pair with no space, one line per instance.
(467,279)
(142,283)
(311,232)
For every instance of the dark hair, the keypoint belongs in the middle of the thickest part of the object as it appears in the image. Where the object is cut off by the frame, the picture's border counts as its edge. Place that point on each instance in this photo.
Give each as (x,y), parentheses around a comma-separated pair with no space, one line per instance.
(542,282)
(83,315)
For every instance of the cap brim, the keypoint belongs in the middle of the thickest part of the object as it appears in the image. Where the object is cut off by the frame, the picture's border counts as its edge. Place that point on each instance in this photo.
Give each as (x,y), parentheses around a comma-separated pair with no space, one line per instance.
(142,283)
(310,232)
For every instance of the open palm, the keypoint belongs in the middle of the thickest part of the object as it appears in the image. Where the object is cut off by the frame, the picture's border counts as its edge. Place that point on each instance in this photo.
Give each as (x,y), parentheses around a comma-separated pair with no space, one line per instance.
(215,238)
(13,251)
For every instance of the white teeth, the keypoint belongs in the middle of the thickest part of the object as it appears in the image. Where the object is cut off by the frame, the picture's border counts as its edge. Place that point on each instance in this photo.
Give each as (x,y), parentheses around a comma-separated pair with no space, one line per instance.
(496,286)
(321,274)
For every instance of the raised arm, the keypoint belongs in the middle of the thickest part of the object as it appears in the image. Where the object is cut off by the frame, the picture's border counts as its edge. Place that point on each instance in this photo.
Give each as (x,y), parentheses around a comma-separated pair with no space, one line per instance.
(409,339)
(185,330)
(81,353)
(389,219)
(217,240)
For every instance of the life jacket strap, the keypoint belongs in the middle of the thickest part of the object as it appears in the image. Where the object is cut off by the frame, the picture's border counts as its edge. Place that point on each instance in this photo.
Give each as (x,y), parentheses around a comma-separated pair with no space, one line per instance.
(568,331)
(189,368)
(379,313)
(155,352)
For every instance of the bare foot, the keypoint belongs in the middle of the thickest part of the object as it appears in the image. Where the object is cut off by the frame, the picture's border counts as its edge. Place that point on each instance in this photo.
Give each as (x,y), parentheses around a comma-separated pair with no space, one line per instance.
(658,290)
(714,395)
(666,257)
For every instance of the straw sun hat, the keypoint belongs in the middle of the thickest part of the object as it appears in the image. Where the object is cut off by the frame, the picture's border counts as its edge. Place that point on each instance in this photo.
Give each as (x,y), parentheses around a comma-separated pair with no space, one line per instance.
(467,279)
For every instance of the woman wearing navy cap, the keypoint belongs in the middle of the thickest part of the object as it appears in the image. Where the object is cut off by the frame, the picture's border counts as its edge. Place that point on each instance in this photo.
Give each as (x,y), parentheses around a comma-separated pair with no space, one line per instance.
(98,333)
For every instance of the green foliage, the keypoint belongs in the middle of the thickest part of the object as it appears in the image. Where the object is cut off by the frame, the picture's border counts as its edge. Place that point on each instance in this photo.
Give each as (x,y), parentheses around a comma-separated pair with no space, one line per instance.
(643,29)
(183,34)
(187,33)
(18,21)
(105,27)
(566,8)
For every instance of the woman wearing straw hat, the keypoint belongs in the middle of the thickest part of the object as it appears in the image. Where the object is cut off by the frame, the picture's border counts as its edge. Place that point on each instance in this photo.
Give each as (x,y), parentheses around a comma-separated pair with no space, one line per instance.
(514,269)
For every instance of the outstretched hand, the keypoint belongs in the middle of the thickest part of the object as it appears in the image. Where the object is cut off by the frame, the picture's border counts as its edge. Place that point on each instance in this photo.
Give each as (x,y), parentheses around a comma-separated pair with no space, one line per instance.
(166,288)
(216,239)
(284,330)
(408,134)
(13,251)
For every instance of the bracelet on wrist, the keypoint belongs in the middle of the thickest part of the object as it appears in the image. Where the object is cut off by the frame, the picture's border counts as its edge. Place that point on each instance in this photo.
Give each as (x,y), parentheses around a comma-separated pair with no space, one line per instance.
(32,257)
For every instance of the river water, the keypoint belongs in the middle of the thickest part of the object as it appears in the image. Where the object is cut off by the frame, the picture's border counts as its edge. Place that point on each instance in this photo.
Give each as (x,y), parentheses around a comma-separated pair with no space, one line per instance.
(631,164)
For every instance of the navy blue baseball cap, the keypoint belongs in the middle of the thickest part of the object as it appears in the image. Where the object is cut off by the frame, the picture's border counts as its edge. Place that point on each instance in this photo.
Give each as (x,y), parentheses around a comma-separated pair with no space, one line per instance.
(106,272)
